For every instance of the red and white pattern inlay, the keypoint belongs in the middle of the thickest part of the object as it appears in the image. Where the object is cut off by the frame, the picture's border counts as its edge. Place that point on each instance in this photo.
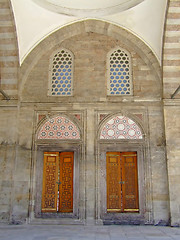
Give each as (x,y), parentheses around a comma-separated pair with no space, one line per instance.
(121,127)
(59,128)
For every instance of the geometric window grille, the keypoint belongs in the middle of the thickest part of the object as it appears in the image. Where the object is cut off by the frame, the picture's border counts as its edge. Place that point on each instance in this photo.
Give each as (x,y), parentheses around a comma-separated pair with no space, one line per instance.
(121,127)
(119,73)
(61,73)
(59,128)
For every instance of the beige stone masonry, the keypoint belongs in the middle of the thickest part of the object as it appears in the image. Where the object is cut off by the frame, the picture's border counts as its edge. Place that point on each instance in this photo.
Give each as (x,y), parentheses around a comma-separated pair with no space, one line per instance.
(21,153)
(8,47)
(171,81)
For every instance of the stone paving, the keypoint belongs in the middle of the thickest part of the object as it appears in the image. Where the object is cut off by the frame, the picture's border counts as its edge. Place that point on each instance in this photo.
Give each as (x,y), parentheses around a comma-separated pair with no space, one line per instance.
(59,232)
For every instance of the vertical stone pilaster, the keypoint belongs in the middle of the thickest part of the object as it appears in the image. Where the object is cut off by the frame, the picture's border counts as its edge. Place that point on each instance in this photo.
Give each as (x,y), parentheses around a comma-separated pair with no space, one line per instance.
(9,62)
(90,169)
(171,82)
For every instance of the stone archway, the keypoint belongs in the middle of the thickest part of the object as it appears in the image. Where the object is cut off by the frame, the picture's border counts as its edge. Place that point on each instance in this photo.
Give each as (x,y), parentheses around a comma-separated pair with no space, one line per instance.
(122,164)
(56,159)
(91,99)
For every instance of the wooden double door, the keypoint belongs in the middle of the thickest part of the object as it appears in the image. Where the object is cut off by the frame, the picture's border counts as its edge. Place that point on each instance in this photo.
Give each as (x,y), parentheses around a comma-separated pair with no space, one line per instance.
(122,182)
(57,190)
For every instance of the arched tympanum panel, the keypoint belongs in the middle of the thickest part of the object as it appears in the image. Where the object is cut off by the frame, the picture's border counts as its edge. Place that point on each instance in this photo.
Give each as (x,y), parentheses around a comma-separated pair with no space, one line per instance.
(121,127)
(59,128)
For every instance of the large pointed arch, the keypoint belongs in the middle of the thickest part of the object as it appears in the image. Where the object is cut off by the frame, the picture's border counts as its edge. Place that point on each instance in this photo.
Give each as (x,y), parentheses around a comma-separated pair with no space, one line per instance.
(86,26)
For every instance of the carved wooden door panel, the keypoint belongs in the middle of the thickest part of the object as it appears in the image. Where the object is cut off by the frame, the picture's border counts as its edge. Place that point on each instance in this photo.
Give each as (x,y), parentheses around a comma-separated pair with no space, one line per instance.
(130,182)
(113,179)
(66,180)
(122,182)
(57,190)
(50,178)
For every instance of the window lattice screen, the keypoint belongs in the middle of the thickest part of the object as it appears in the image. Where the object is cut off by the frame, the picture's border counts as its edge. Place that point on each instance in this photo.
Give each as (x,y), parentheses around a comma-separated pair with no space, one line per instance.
(61,74)
(119,73)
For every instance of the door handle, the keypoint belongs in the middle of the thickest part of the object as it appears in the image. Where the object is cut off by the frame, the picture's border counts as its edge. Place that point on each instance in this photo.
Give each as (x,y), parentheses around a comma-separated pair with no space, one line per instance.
(121,182)
(58,183)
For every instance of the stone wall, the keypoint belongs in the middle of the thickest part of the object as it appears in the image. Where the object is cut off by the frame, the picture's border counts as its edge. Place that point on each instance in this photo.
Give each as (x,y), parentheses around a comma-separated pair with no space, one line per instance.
(15,158)
(8,139)
(90,72)
(8,51)
(8,109)
(171,82)
(90,42)
(172,116)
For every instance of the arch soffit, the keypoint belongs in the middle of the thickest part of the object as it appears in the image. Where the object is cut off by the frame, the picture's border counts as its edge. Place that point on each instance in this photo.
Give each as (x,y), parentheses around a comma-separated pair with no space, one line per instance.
(48,118)
(129,116)
(85,26)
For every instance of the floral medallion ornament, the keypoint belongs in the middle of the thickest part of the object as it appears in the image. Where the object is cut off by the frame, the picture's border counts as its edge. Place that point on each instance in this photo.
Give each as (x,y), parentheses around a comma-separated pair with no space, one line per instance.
(59,128)
(121,127)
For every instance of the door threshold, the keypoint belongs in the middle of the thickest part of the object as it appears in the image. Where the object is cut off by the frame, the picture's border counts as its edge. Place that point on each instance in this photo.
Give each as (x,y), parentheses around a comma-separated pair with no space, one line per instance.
(55,221)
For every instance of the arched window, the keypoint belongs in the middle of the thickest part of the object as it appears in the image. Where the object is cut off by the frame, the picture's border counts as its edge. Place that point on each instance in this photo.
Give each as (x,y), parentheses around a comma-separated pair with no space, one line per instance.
(61,73)
(119,73)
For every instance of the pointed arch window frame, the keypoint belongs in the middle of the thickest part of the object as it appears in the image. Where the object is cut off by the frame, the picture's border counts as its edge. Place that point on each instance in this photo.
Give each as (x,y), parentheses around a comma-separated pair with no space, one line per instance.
(50,78)
(130,73)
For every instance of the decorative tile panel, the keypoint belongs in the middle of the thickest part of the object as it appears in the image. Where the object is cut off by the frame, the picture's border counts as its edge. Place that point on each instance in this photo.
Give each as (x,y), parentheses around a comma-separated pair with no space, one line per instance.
(121,127)
(59,128)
